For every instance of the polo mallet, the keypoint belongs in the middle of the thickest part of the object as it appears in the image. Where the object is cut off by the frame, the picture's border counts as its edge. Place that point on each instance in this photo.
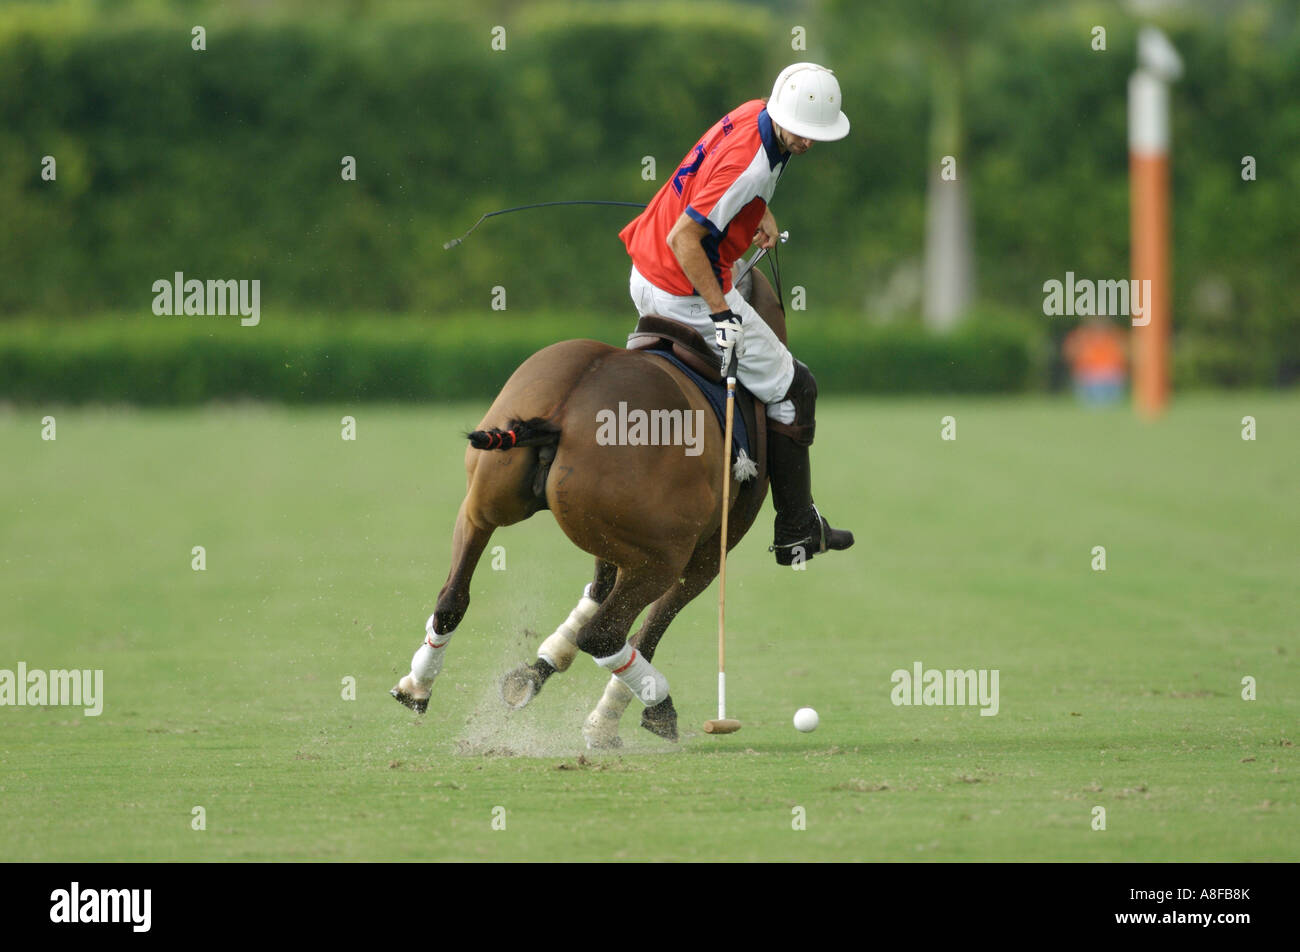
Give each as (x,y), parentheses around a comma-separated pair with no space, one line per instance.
(724,724)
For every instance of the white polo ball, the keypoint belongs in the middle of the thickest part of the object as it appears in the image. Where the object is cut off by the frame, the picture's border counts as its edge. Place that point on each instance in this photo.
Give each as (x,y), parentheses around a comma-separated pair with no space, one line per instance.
(805,719)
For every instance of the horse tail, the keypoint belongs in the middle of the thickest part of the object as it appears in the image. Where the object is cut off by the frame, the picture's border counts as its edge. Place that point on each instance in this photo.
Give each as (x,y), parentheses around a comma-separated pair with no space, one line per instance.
(534,432)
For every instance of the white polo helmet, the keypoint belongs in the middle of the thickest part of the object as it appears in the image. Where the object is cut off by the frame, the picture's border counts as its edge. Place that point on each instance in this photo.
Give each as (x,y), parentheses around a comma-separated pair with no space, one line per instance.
(806,100)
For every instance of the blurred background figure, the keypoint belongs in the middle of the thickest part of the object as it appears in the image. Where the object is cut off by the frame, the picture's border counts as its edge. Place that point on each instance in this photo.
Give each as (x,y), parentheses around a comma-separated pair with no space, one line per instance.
(1096,352)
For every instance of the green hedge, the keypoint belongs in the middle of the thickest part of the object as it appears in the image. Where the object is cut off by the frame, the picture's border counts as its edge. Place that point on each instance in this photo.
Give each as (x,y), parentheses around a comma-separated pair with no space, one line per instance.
(226,163)
(190,360)
(981,357)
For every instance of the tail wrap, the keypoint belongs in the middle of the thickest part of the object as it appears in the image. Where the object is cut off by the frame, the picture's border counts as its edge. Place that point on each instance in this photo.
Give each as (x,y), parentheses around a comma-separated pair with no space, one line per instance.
(534,432)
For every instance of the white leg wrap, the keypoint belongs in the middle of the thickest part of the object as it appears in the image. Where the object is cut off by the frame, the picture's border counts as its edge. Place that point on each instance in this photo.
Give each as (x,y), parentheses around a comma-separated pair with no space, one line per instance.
(561,647)
(614,701)
(427,661)
(638,674)
(601,727)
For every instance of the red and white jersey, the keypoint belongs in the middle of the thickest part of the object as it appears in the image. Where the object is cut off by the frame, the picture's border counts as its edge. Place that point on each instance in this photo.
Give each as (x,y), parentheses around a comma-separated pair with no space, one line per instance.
(724,183)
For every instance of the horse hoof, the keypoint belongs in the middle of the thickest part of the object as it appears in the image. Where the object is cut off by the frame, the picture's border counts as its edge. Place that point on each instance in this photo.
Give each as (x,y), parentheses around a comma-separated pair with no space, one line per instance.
(522,684)
(419,705)
(601,732)
(661,719)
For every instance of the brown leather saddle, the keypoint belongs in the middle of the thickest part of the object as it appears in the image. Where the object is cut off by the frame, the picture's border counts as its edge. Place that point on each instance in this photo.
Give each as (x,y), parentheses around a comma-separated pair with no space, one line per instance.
(687,345)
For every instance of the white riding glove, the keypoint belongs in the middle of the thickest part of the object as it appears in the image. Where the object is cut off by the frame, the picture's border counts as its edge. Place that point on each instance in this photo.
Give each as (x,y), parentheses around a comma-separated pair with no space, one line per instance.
(729,332)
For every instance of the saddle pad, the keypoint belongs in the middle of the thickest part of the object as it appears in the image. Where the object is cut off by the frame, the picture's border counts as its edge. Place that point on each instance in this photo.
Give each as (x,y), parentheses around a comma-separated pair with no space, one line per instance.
(716,394)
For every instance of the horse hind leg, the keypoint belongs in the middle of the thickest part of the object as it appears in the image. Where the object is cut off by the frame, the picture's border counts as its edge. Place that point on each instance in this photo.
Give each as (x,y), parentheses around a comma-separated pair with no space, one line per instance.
(600,729)
(468,542)
(604,637)
(557,652)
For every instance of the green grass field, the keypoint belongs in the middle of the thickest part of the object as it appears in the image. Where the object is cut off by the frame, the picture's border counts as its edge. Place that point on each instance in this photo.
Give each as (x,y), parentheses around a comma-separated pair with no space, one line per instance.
(223,688)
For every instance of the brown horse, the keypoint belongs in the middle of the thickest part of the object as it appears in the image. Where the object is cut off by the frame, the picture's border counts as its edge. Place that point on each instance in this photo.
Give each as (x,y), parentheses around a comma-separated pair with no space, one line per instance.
(650,514)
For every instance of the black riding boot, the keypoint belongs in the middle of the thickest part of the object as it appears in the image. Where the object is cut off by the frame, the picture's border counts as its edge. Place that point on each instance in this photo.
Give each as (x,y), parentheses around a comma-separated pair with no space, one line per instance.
(801,532)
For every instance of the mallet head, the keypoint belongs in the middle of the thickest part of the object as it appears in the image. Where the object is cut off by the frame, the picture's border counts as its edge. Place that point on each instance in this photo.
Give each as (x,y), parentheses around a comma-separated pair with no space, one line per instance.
(725,726)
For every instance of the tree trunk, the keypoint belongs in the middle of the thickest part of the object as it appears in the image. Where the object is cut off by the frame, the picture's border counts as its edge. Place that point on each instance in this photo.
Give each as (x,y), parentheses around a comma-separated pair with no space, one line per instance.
(949,252)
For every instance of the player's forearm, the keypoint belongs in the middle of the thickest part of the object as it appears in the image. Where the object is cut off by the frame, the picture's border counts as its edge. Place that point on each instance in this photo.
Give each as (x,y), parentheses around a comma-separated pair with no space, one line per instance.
(696,267)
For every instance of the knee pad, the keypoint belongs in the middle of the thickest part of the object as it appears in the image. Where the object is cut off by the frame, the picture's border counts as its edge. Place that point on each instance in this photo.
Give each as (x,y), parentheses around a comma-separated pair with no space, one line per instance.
(803,394)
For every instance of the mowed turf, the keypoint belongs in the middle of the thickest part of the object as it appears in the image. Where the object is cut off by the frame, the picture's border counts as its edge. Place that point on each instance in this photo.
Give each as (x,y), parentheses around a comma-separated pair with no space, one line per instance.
(224,689)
